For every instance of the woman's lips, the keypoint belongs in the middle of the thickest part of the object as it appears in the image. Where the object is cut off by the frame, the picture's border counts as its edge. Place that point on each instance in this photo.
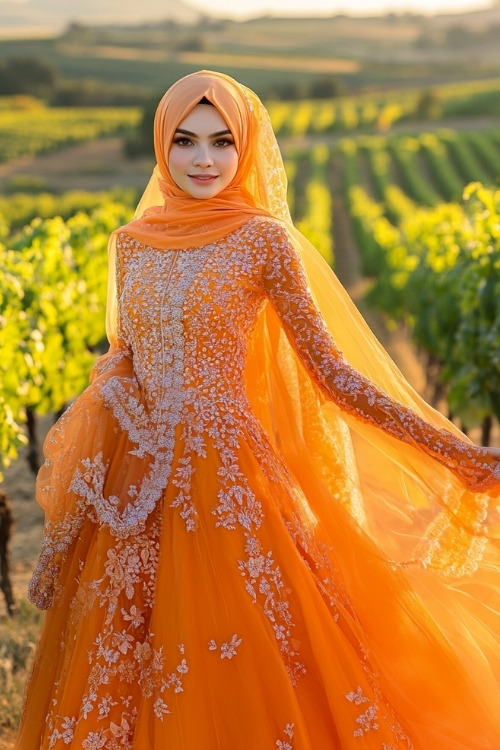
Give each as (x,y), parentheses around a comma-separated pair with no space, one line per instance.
(204,179)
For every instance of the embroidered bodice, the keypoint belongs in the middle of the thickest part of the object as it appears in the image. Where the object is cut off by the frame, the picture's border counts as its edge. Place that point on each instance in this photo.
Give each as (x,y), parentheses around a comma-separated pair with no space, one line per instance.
(187,315)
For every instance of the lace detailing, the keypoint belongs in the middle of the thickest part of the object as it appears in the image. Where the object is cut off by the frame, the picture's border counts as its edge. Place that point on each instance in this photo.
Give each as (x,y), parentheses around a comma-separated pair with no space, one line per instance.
(265,585)
(286,284)
(371,716)
(44,588)
(287,743)
(123,656)
(451,548)
(270,175)
(227,649)
(174,407)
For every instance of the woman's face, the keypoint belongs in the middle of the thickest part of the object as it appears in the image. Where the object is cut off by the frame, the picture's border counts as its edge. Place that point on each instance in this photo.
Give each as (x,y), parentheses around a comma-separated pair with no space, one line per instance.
(203,158)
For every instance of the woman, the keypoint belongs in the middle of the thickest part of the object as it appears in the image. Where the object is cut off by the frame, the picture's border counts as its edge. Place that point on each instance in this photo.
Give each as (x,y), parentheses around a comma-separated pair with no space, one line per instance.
(249,543)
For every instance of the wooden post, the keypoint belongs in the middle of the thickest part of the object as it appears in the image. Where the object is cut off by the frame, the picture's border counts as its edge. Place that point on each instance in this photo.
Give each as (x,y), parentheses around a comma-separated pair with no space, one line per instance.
(33,447)
(6,521)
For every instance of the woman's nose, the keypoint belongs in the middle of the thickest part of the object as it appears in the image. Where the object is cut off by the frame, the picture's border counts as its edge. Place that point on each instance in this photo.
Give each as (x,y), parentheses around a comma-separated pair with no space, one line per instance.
(202,156)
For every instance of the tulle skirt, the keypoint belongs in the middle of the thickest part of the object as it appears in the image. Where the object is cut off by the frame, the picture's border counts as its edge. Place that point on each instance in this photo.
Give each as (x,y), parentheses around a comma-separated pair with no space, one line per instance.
(240,616)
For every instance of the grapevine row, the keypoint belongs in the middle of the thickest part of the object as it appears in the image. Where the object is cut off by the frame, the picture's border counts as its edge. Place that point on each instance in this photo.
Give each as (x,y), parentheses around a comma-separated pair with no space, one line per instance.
(435,263)
(27,132)
(52,309)
(380,111)
(34,129)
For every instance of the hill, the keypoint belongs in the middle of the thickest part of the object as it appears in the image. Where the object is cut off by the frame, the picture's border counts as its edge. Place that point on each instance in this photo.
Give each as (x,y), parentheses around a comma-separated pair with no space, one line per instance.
(270,54)
(54,15)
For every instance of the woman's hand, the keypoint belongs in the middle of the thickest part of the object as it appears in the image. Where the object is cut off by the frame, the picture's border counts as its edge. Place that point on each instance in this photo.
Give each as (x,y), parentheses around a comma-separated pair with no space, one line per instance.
(493,452)
(494,492)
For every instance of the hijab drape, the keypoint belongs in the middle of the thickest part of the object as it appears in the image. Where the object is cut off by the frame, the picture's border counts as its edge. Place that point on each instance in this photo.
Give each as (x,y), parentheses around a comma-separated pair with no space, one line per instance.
(166,216)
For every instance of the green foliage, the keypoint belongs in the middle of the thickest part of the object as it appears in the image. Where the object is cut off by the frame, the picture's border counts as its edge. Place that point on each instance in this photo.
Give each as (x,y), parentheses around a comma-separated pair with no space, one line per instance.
(379,112)
(316,222)
(34,131)
(21,208)
(486,102)
(466,160)
(439,271)
(442,169)
(488,154)
(406,154)
(12,328)
(52,313)
(360,206)
(434,265)
(26,75)
(141,140)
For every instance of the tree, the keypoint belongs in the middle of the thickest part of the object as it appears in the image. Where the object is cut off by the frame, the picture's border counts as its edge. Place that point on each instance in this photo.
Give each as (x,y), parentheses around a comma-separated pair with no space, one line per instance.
(429,106)
(327,87)
(458,37)
(26,75)
(142,141)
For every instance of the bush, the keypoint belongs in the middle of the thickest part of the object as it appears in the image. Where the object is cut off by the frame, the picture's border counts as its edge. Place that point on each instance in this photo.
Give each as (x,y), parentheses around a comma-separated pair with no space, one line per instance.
(24,183)
(326,88)
(26,75)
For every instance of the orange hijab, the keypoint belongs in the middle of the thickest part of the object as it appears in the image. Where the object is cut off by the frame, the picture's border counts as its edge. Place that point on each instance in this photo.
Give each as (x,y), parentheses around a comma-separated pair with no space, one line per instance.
(169,218)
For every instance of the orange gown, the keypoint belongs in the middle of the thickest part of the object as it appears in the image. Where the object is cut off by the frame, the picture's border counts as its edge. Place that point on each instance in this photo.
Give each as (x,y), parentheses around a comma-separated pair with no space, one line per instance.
(205,590)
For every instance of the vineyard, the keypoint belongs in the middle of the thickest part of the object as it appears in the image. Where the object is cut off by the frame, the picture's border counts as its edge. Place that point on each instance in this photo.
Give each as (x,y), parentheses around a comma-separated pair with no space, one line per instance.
(52,308)
(28,128)
(429,242)
(424,210)
(379,112)
(31,128)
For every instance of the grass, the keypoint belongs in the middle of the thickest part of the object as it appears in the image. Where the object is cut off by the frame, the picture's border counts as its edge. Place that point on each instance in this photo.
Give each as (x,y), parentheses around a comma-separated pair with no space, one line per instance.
(18,636)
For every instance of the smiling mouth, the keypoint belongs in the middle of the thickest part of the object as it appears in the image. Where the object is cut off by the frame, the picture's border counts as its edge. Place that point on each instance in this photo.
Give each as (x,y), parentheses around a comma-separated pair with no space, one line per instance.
(203,177)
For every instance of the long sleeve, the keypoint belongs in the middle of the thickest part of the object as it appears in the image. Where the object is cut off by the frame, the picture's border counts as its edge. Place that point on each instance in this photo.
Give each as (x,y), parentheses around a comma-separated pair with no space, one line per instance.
(286,286)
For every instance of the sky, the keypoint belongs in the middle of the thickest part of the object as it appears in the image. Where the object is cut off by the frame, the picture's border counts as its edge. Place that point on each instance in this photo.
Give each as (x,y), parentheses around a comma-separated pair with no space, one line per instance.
(248,8)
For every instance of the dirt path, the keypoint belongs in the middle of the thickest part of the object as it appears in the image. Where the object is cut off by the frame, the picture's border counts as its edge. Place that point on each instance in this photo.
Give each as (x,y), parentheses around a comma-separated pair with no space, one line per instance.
(98,165)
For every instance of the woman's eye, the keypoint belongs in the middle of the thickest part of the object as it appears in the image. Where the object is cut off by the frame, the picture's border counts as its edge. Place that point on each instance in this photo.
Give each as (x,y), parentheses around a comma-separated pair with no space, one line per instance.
(223,142)
(182,141)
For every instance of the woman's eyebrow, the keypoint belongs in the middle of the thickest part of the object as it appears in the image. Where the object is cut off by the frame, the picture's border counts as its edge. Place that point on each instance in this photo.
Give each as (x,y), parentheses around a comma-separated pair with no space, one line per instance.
(212,135)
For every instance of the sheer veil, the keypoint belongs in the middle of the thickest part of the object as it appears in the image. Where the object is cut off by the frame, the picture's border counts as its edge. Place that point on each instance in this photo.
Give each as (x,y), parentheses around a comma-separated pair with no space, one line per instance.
(440,538)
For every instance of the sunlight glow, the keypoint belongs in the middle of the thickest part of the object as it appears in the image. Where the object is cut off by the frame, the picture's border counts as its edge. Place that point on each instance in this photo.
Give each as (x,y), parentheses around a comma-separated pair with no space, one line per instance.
(249,8)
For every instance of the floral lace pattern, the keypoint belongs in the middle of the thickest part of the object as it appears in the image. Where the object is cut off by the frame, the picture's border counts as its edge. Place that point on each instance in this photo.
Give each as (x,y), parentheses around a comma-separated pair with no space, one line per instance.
(228,649)
(368,719)
(123,654)
(286,744)
(185,319)
(286,284)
